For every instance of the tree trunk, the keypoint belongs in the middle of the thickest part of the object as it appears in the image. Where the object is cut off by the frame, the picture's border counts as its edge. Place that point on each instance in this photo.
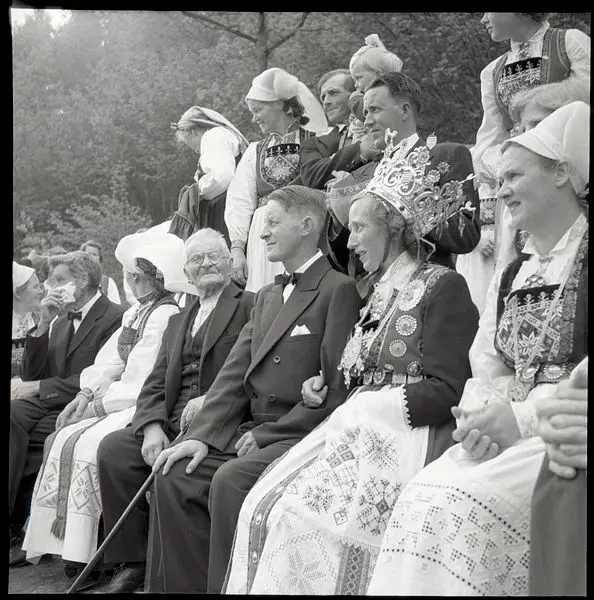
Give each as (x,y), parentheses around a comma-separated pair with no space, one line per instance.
(262,43)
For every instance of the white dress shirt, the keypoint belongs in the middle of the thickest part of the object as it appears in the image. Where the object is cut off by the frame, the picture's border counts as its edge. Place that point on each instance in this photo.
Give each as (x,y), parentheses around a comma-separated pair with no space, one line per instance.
(206,307)
(290,286)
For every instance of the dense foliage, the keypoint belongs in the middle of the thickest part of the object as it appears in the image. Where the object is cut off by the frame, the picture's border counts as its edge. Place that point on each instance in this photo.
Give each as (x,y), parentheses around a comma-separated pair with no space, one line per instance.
(94,99)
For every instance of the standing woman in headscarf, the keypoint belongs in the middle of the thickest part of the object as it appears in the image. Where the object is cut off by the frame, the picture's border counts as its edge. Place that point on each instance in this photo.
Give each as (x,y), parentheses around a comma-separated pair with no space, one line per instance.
(287,113)
(66,504)
(219,145)
(538,54)
(26,294)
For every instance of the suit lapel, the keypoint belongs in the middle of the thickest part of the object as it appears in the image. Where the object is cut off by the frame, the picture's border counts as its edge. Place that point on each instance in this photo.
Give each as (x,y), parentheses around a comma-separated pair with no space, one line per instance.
(221,315)
(59,342)
(305,292)
(87,324)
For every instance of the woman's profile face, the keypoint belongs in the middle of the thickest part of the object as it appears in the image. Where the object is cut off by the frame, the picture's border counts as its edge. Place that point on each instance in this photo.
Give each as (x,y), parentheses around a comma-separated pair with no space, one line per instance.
(368,236)
(30,293)
(193,138)
(500,26)
(268,116)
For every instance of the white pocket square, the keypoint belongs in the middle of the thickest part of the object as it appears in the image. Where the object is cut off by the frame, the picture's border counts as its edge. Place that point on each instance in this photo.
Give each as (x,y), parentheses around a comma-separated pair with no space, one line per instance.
(300,330)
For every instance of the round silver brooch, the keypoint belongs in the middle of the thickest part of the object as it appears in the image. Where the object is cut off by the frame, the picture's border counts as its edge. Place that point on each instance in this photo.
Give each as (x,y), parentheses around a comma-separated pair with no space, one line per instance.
(406,325)
(554,371)
(414,368)
(397,348)
(409,297)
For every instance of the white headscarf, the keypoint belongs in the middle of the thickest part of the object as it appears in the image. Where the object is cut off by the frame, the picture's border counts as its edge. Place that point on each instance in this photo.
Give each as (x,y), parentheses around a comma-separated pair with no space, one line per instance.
(206,117)
(164,250)
(20,275)
(564,136)
(276,84)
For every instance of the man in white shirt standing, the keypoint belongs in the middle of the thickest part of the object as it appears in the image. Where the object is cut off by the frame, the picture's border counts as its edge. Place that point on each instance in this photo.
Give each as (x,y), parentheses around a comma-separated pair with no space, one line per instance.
(75,321)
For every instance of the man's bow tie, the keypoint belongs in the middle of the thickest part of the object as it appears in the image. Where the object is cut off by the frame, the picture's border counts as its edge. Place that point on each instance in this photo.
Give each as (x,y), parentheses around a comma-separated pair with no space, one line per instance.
(285,279)
(71,316)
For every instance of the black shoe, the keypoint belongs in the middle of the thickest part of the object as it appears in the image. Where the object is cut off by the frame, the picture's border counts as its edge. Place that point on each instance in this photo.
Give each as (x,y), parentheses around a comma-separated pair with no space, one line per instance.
(18,557)
(129,579)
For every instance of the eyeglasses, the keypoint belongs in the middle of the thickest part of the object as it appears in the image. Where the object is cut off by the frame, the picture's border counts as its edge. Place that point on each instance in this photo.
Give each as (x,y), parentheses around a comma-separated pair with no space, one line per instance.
(198,259)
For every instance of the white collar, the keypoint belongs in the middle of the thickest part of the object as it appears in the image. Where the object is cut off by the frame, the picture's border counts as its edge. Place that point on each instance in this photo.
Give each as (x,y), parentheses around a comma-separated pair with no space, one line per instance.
(575,232)
(309,263)
(538,35)
(84,310)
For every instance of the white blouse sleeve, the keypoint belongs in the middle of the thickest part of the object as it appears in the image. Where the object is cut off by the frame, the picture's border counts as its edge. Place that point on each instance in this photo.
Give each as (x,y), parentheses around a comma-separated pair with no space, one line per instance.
(123,393)
(108,366)
(218,149)
(112,291)
(577,45)
(492,131)
(242,197)
(491,378)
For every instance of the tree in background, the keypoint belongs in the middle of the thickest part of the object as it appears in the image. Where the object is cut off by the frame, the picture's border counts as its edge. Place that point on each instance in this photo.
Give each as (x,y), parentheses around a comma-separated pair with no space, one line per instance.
(94,98)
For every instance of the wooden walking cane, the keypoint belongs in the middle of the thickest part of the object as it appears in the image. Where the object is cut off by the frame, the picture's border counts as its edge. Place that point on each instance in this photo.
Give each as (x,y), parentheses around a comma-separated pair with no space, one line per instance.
(139,494)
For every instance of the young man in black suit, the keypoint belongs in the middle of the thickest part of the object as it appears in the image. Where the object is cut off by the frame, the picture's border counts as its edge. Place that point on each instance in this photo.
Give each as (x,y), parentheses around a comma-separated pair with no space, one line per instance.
(254,411)
(393,102)
(75,321)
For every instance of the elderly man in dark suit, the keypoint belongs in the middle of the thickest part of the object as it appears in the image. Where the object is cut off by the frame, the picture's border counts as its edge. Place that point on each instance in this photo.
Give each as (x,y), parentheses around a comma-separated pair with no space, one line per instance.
(254,412)
(393,102)
(195,346)
(75,321)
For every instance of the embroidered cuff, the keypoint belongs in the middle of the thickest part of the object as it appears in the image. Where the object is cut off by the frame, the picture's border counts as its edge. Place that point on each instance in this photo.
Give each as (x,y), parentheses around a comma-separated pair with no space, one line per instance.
(404,404)
(526,418)
(238,244)
(98,408)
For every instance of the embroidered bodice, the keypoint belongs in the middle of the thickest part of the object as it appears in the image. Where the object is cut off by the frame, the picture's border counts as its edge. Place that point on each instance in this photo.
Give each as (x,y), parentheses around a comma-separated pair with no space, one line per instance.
(535,327)
(134,329)
(278,158)
(385,346)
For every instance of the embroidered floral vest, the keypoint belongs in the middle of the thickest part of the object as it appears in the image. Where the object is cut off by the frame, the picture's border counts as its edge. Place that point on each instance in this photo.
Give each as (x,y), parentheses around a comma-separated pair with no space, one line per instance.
(396,355)
(565,340)
(278,161)
(531,72)
(129,336)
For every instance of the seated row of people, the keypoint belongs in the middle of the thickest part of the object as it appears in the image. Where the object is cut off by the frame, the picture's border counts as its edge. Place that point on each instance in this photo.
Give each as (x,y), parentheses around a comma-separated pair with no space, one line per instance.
(362,480)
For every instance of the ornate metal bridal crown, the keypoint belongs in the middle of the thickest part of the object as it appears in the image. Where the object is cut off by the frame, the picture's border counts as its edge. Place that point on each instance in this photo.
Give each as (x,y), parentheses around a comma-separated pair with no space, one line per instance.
(405,184)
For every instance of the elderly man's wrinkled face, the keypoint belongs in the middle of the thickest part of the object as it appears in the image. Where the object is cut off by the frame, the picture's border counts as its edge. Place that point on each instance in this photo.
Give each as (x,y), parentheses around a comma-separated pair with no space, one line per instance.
(526,183)
(368,236)
(207,264)
(382,111)
(334,97)
(30,293)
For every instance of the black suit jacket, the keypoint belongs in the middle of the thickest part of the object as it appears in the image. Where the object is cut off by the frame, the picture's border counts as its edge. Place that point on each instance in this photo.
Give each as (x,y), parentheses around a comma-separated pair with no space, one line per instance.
(259,388)
(161,388)
(56,364)
(320,156)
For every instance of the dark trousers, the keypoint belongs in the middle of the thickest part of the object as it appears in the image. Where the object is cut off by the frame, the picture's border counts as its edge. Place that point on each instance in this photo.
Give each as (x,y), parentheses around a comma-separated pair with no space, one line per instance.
(196,516)
(558,535)
(122,471)
(30,424)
